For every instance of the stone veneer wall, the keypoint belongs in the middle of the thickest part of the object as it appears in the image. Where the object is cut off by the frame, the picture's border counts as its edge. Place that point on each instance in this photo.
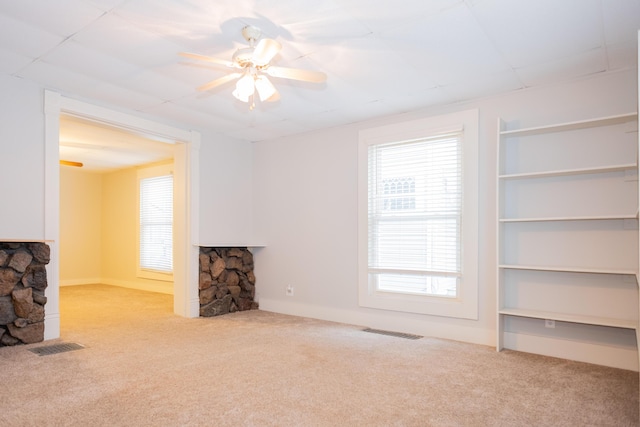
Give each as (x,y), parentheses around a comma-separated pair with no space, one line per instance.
(227,283)
(23,279)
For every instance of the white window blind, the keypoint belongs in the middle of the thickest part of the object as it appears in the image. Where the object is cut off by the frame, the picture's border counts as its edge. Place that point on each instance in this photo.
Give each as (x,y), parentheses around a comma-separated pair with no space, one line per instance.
(156,223)
(415,215)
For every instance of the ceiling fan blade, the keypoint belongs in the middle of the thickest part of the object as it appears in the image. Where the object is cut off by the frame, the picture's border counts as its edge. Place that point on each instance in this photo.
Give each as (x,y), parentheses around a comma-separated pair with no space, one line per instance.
(220,81)
(274,97)
(297,74)
(208,59)
(264,52)
(70,163)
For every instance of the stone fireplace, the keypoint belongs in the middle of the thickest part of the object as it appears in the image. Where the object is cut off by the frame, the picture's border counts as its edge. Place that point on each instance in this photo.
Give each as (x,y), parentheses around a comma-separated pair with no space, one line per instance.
(226,285)
(23,280)
(227,282)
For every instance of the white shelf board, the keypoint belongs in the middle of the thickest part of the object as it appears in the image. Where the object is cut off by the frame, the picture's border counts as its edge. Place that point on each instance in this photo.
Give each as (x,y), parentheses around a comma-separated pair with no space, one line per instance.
(580,124)
(573,218)
(569,172)
(573,318)
(568,269)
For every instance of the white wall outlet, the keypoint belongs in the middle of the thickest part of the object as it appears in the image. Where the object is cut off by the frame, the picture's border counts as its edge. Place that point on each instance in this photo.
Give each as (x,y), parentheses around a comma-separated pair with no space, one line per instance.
(289,291)
(549,323)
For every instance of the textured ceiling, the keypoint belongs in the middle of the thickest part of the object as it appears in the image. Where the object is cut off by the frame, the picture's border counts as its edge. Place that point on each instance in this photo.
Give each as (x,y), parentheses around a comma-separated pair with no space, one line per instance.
(381,57)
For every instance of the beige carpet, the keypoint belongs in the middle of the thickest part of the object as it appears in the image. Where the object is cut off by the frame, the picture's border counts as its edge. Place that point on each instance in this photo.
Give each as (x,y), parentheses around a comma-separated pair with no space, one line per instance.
(143,366)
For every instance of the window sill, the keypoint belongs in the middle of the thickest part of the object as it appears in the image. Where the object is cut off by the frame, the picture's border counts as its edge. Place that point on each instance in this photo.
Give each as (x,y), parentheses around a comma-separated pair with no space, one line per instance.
(155,275)
(420,304)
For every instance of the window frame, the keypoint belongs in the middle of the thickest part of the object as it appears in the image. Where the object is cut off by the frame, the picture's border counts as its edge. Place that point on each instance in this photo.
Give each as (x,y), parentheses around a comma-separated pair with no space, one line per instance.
(144,173)
(465,305)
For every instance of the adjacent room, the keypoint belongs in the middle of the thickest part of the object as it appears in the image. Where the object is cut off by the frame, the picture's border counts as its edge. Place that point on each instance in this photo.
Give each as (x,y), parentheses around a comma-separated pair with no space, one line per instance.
(100,224)
(277,213)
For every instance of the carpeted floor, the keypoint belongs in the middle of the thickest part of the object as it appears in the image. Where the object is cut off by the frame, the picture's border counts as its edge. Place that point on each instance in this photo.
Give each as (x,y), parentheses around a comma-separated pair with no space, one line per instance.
(144,366)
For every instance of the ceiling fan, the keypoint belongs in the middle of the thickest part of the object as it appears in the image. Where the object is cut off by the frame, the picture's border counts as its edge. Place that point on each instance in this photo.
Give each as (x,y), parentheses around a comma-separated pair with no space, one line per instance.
(253,64)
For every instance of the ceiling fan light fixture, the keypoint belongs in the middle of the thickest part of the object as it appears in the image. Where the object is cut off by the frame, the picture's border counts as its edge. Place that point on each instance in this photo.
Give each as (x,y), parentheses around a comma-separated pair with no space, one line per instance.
(251,65)
(265,88)
(245,88)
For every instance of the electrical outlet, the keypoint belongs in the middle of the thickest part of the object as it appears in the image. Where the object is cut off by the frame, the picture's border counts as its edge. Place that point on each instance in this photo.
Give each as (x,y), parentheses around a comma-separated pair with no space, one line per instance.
(289,291)
(549,323)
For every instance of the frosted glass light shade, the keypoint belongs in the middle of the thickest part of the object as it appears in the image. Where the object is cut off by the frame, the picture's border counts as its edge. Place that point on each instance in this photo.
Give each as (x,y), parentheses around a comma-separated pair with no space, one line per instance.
(264,87)
(244,88)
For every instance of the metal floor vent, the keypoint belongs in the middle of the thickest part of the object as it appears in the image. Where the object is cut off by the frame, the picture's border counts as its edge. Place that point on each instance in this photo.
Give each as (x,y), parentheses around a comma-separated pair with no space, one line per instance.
(55,348)
(393,334)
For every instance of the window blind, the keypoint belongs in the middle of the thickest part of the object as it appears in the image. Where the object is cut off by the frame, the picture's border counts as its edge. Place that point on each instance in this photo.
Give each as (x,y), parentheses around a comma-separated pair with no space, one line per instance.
(156,223)
(415,215)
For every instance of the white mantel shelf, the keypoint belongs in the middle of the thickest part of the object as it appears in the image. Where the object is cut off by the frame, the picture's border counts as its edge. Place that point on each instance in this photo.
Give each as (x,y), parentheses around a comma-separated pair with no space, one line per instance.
(25,241)
(230,245)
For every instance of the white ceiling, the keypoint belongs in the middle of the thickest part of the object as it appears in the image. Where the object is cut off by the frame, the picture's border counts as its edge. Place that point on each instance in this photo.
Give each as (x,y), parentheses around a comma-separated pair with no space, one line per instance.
(381,57)
(103,148)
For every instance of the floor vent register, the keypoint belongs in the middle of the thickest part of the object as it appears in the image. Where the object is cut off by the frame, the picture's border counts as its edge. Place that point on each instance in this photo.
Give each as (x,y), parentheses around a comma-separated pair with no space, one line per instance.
(56,348)
(393,334)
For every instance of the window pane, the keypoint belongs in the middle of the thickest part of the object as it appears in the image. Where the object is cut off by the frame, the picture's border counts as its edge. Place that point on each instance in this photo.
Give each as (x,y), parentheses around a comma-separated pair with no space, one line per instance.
(415,214)
(156,223)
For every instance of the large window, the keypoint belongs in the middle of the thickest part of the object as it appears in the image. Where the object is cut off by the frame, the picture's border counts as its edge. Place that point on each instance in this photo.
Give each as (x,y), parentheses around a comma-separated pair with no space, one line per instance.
(418,216)
(156,223)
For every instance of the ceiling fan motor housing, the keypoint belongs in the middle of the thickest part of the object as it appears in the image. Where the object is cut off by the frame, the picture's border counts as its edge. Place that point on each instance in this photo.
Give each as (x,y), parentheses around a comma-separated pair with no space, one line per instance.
(251,34)
(242,57)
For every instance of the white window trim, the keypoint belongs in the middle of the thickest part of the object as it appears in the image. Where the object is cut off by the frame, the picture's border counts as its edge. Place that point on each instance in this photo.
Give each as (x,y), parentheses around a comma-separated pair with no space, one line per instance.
(150,172)
(466,304)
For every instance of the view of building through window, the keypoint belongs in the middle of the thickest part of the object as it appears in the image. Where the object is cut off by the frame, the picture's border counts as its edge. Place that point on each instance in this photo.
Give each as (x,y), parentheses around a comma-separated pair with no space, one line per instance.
(399,193)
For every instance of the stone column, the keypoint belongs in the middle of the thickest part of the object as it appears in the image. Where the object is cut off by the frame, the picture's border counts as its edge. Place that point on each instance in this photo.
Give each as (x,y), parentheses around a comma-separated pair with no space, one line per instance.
(23,280)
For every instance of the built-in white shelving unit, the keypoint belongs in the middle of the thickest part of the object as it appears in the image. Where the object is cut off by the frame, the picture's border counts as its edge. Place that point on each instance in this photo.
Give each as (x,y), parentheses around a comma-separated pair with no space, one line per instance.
(567,238)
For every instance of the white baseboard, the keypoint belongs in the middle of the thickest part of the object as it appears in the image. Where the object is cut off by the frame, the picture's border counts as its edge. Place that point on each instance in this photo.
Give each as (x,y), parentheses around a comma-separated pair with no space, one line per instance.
(150,286)
(51,326)
(156,286)
(612,356)
(383,319)
(77,282)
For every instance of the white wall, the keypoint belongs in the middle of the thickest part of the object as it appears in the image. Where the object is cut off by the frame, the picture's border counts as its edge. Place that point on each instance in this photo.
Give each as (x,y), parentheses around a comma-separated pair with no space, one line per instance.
(225,164)
(305,207)
(80,226)
(23,147)
(226,180)
(302,190)
(21,159)
(225,172)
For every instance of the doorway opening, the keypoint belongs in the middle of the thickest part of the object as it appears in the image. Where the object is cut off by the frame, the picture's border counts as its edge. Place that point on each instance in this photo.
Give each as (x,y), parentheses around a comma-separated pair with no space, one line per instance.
(185,146)
(101,174)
